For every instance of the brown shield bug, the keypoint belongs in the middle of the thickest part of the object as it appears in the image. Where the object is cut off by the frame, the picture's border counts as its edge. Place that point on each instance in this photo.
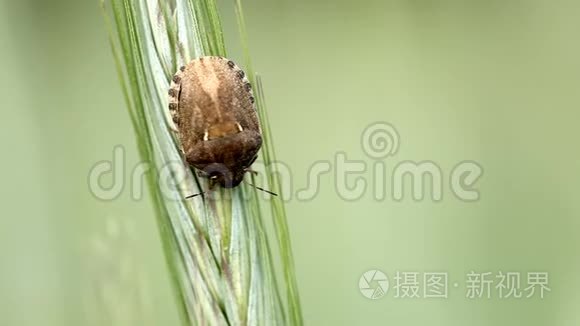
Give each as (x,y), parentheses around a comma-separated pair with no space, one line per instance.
(213,111)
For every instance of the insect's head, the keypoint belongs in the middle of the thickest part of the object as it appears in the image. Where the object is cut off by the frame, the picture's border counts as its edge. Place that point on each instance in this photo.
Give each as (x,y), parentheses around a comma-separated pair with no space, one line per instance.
(220,174)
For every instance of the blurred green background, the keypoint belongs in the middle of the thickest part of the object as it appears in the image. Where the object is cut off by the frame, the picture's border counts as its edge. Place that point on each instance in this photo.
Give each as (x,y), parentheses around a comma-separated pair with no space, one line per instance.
(491,81)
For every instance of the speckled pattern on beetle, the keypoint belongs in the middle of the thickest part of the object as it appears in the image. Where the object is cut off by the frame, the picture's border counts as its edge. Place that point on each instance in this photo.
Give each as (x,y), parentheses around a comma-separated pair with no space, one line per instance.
(213,108)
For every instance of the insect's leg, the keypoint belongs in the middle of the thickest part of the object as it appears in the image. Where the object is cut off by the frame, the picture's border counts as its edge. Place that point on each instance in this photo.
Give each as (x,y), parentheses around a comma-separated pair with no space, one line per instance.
(182,153)
(212,183)
(253,172)
(171,117)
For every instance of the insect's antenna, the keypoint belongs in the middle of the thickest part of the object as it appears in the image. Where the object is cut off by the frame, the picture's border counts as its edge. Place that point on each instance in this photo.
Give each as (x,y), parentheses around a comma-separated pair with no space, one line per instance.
(195,195)
(262,189)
